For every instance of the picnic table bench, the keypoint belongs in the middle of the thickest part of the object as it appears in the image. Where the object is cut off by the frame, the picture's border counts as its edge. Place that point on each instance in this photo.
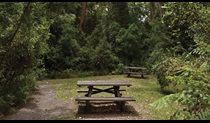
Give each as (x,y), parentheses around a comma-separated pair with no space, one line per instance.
(135,71)
(93,88)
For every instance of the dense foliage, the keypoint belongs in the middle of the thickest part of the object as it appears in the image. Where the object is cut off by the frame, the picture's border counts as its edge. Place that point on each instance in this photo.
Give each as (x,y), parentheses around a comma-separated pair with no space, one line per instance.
(187,66)
(24,30)
(60,40)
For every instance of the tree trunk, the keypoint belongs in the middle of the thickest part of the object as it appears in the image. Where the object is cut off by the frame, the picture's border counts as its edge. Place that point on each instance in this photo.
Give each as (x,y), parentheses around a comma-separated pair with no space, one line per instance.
(21,20)
(82,18)
(152,10)
(162,10)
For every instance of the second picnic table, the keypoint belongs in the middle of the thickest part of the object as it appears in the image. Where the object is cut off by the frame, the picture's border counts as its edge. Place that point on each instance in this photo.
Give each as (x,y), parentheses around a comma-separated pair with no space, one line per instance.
(135,70)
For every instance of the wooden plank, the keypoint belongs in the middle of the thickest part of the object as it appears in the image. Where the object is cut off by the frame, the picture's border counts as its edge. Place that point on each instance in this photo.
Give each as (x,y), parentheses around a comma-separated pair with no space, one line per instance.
(104,99)
(104,83)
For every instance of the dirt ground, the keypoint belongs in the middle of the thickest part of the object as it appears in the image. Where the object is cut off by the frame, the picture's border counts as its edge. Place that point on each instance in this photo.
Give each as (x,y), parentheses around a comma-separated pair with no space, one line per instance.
(44,105)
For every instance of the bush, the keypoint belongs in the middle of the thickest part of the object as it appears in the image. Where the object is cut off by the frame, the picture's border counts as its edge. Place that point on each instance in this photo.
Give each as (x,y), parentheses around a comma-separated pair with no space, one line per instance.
(119,69)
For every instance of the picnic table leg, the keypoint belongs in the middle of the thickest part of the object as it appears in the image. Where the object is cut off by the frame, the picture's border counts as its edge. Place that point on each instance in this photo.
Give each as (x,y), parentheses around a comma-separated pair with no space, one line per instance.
(141,71)
(88,105)
(122,105)
(116,91)
(117,94)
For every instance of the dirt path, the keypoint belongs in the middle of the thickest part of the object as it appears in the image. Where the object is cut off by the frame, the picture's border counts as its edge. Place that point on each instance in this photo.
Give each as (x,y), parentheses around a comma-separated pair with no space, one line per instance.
(42,106)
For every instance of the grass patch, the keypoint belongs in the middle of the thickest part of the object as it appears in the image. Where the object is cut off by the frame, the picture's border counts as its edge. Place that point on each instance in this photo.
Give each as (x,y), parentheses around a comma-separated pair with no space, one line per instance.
(144,90)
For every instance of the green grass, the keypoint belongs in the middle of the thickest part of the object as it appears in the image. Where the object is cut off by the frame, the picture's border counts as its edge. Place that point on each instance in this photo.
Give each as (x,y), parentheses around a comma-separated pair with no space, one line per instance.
(145,91)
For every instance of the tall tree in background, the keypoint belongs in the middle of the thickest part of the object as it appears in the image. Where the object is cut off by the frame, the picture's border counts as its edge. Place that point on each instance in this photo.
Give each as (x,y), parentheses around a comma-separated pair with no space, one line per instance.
(120,13)
(152,10)
(155,9)
(82,17)
(160,5)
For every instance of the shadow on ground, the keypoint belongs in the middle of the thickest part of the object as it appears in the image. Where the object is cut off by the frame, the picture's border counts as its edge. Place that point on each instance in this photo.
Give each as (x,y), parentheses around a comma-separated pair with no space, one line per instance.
(138,77)
(105,111)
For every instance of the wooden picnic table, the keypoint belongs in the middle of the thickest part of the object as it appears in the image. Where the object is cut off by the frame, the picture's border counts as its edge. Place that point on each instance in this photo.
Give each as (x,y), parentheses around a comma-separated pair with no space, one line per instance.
(93,87)
(135,70)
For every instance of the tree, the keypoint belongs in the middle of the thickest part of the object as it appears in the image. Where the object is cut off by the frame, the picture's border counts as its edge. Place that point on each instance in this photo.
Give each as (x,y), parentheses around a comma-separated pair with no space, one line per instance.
(154,12)
(120,13)
(23,43)
(82,18)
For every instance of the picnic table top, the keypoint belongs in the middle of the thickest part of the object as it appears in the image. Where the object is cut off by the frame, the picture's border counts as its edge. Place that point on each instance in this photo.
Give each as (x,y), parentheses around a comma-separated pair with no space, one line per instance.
(104,83)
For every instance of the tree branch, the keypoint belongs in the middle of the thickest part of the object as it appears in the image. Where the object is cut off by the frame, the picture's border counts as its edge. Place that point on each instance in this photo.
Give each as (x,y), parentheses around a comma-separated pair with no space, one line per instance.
(20,21)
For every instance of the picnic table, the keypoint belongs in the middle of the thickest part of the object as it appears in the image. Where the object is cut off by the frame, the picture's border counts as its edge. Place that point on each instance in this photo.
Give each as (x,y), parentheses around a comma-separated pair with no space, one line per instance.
(109,86)
(135,71)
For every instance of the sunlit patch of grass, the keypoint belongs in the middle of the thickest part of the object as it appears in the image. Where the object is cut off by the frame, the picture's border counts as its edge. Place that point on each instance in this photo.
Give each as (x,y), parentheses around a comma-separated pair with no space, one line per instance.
(144,90)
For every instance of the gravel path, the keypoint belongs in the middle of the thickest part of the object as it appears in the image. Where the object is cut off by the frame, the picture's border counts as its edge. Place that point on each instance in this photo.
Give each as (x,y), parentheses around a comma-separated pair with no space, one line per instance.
(43,106)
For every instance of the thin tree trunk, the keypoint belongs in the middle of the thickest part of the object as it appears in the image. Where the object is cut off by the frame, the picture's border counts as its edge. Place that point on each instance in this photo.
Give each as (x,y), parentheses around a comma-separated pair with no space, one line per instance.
(21,20)
(82,18)
(162,10)
(152,10)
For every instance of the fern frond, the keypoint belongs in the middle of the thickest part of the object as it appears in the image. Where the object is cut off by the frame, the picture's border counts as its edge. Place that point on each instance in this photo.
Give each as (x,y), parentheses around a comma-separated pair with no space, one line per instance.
(165,101)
